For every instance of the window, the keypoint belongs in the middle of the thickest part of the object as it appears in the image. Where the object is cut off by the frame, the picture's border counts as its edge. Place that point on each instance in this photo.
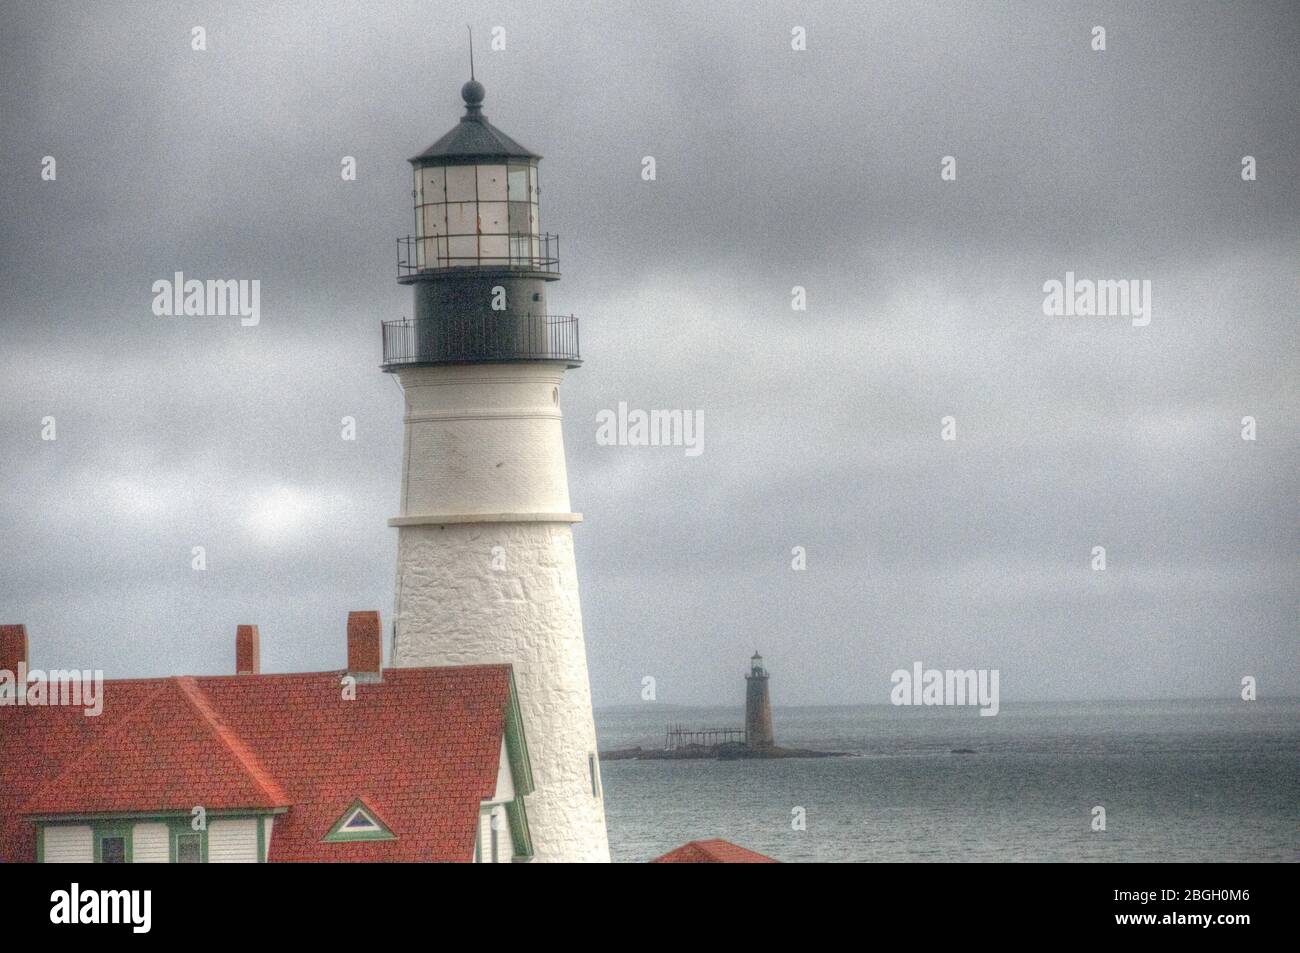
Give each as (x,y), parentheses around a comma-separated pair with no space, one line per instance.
(359,823)
(113,842)
(189,848)
(595,775)
(470,215)
(432,185)
(435,220)
(112,850)
(462,184)
(475,214)
(494,843)
(520,223)
(518,187)
(462,219)
(492,218)
(491,183)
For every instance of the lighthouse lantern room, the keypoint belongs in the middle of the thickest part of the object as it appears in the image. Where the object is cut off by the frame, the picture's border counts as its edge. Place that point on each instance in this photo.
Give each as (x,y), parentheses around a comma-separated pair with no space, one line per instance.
(478,259)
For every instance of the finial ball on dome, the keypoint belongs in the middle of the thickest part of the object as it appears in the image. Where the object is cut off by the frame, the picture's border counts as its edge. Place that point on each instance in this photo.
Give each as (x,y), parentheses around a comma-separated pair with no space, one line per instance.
(473,93)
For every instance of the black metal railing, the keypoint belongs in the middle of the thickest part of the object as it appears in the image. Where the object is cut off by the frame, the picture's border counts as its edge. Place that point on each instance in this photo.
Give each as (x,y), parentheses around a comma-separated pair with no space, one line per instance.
(437,253)
(467,339)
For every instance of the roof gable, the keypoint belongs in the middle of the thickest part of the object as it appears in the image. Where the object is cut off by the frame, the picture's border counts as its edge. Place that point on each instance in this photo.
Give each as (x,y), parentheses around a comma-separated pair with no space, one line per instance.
(713,851)
(420,749)
(36,744)
(171,753)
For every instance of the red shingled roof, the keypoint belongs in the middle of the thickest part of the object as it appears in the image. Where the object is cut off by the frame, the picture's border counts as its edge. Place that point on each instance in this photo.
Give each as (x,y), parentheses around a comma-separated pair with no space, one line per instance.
(713,851)
(169,753)
(421,748)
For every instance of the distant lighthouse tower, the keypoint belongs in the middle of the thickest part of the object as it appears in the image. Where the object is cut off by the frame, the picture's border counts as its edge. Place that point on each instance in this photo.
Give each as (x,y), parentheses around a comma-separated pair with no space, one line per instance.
(485,568)
(758,706)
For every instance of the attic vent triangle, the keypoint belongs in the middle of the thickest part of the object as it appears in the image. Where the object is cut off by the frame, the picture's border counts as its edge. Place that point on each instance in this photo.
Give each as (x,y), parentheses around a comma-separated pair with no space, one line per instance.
(359,822)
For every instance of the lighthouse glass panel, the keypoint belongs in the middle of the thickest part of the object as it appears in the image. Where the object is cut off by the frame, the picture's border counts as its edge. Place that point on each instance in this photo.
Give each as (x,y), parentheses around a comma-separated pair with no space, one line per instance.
(519,183)
(493,249)
(491,183)
(472,215)
(462,233)
(520,218)
(462,185)
(523,214)
(435,221)
(430,216)
(432,184)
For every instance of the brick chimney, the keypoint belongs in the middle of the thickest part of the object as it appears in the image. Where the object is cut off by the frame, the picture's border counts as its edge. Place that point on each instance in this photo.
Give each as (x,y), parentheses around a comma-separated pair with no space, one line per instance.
(13,647)
(365,646)
(248,650)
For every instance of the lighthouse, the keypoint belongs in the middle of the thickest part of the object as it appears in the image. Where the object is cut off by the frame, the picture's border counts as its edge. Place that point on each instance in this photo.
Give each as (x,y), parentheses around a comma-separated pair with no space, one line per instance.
(758,706)
(485,563)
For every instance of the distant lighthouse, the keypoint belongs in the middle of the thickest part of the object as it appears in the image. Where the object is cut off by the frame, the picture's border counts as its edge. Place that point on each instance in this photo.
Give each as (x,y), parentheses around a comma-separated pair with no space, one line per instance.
(758,706)
(485,566)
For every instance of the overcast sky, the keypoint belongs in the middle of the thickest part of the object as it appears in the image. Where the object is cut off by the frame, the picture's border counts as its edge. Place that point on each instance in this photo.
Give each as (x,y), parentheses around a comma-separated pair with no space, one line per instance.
(775,168)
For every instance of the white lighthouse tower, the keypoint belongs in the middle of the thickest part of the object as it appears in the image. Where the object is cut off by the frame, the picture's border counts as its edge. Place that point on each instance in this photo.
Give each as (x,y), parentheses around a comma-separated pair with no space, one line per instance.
(485,567)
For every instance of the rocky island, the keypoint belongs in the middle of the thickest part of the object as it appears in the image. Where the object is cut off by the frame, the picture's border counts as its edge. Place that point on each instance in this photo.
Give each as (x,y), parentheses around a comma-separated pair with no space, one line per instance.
(755,740)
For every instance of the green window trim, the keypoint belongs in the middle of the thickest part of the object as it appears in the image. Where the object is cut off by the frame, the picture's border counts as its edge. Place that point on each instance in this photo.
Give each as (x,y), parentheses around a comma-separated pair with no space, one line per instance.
(182,827)
(339,834)
(520,836)
(183,842)
(135,817)
(103,832)
(521,768)
(123,825)
(521,771)
(515,825)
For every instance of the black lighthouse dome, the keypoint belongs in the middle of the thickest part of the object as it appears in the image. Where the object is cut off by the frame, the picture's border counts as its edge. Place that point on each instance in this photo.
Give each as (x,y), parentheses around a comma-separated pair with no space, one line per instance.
(474,138)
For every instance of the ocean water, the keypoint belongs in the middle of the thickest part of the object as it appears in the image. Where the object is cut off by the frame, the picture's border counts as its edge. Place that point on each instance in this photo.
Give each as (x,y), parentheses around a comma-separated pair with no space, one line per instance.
(1180,781)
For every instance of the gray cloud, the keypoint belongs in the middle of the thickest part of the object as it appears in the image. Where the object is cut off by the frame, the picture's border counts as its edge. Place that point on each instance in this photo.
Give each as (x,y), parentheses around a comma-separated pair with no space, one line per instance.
(775,169)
